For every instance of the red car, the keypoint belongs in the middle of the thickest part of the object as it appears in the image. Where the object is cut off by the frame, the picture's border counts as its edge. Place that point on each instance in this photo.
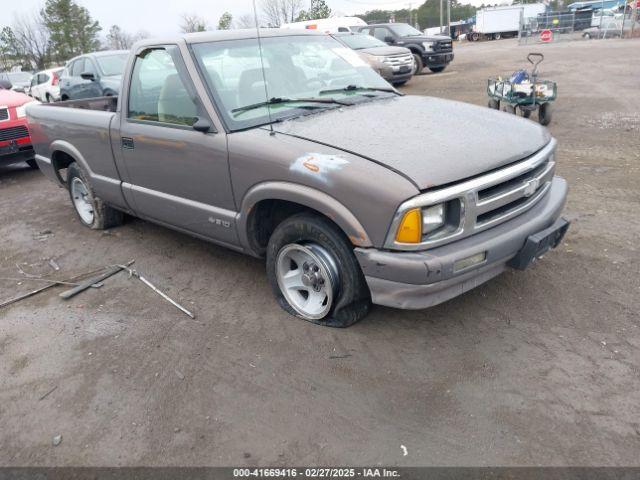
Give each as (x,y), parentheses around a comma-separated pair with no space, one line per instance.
(15,141)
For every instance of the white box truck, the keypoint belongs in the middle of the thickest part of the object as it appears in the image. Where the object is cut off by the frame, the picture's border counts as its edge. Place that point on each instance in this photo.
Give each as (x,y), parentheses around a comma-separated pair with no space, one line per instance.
(497,22)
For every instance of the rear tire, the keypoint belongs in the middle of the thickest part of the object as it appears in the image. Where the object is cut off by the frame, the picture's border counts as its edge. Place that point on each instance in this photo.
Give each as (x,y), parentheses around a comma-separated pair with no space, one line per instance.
(493,103)
(400,84)
(32,163)
(497,36)
(544,114)
(91,210)
(437,69)
(315,241)
(418,66)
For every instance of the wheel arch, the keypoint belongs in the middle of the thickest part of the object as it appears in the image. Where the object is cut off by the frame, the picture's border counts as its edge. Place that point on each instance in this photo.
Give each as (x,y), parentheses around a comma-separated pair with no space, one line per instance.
(62,155)
(265,205)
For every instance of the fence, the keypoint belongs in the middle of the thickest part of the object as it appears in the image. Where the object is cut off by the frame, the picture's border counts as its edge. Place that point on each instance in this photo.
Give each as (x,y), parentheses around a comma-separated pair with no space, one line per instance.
(557,27)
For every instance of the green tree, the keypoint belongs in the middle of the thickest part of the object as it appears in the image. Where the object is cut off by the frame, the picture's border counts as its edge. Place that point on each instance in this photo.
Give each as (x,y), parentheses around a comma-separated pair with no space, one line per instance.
(318,9)
(72,30)
(225,21)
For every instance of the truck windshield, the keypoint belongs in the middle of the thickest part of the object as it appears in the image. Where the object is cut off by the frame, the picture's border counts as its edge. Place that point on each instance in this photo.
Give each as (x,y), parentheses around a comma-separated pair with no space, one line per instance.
(404,30)
(295,67)
(112,65)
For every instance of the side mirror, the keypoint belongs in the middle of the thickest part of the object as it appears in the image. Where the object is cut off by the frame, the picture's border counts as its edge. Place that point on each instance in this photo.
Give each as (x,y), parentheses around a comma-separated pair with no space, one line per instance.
(202,125)
(88,76)
(389,39)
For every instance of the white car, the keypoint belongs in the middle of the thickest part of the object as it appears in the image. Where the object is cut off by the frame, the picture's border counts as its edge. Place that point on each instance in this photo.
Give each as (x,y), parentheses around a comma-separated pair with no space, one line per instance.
(45,85)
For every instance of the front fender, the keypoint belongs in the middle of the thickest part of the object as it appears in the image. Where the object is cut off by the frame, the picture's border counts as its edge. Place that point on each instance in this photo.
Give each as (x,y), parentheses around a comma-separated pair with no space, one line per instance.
(303,195)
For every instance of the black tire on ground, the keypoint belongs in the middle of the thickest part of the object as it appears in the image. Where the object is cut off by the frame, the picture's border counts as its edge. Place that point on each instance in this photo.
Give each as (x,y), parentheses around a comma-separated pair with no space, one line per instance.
(49,99)
(352,299)
(437,69)
(544,114)
(474,37)
(510,109)
(497,36)
(104,216)
(493,103)
(32,163)
(400,84)
(586,36)
(418,66)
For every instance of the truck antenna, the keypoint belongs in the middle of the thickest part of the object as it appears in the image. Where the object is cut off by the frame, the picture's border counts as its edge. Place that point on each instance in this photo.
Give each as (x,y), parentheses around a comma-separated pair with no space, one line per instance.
(264,75)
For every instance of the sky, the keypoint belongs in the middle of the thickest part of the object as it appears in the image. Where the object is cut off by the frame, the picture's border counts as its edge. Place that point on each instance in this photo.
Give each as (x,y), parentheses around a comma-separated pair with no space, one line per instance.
(162,17)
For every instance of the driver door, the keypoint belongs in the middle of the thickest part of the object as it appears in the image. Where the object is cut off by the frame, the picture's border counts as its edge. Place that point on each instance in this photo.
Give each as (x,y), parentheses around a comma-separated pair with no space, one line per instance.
(175,174)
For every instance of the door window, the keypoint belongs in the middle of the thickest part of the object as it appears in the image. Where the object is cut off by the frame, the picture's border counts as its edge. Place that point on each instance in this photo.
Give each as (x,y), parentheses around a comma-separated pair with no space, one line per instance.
(89,67)
(77,68)
(158,90)
(381,33)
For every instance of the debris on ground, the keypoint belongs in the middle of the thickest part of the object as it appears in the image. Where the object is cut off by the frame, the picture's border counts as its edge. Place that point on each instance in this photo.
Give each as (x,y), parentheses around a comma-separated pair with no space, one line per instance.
(48,393)
(57,440)
(134,273)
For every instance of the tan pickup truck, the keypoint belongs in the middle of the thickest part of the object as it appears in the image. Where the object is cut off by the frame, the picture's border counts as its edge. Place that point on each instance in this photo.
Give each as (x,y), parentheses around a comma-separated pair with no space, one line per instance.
(291,147)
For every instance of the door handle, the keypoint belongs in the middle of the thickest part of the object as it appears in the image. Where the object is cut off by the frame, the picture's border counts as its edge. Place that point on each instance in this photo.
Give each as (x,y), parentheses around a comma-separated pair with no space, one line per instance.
(127,143)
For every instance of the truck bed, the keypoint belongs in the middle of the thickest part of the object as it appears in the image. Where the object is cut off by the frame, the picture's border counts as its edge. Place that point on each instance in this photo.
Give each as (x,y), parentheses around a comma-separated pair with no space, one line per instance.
(106,104)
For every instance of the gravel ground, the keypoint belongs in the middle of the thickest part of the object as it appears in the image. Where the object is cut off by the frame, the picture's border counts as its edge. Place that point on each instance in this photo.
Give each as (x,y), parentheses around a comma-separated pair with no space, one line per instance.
(534,367)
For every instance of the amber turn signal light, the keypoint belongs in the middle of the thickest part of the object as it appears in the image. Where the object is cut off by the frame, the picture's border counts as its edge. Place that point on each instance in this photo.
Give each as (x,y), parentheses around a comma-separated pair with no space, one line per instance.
(410,229)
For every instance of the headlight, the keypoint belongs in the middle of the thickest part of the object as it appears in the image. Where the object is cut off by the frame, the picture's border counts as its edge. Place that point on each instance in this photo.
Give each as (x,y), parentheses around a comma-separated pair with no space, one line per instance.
(432,218)
(427,45)
(21,111)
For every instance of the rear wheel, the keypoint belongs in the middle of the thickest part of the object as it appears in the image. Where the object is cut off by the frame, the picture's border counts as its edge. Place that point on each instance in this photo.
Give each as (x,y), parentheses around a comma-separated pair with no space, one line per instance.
(400,84)
(437,69)
(474,37)
(91,210)
(314,273)
(497,36)
(418,66)
(493,103)
(32,163)
(544,114)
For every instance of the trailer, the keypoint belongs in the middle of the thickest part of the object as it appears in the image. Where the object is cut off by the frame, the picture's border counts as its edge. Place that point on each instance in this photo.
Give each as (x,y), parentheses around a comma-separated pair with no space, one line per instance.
(498,22)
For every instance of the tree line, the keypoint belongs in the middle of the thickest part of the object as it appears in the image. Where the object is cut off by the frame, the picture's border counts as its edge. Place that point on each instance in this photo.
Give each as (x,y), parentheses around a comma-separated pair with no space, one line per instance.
(61,30)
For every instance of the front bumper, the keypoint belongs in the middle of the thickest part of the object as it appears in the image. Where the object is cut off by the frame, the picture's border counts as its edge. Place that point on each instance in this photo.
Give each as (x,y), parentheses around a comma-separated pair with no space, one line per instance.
(432,59)
(17,153)
(415,280)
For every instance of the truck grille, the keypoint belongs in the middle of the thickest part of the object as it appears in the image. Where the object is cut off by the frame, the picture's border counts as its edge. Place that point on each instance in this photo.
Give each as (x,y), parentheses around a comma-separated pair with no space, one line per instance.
(443,46)
(13,133)
(402,60)
(485,201)
(4,114)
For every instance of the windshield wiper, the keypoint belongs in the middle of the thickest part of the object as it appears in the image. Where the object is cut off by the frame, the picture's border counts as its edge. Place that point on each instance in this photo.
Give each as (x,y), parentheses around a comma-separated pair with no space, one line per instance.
(354,88)
(279,100)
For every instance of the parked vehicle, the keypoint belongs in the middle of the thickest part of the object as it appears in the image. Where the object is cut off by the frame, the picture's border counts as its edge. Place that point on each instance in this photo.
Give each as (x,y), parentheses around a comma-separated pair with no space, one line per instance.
(394,64)
(15,141)
(434,51)
(20,81)
(93,75)
(328,25)
(299,152)
(45,85)
(611,28)
(498,22)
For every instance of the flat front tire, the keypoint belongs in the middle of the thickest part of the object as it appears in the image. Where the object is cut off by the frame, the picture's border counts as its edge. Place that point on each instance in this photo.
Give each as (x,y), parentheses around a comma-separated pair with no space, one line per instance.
(314,274)
(91,210)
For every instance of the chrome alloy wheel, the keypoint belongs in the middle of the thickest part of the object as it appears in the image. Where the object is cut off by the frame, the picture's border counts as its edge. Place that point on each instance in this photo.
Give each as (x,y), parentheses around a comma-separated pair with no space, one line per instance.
(308,278)
(81,200)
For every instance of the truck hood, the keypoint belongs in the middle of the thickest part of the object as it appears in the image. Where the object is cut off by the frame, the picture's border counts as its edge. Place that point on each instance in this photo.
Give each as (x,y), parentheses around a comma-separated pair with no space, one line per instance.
(384,51)
(423,38)
(429,140)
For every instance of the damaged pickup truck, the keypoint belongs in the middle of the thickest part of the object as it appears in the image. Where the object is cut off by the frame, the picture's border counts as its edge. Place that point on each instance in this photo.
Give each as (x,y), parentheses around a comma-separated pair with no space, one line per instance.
(290,147)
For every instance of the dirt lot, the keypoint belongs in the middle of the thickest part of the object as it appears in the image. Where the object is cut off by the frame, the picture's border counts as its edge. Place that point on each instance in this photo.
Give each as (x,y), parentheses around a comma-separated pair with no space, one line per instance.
(539,367)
